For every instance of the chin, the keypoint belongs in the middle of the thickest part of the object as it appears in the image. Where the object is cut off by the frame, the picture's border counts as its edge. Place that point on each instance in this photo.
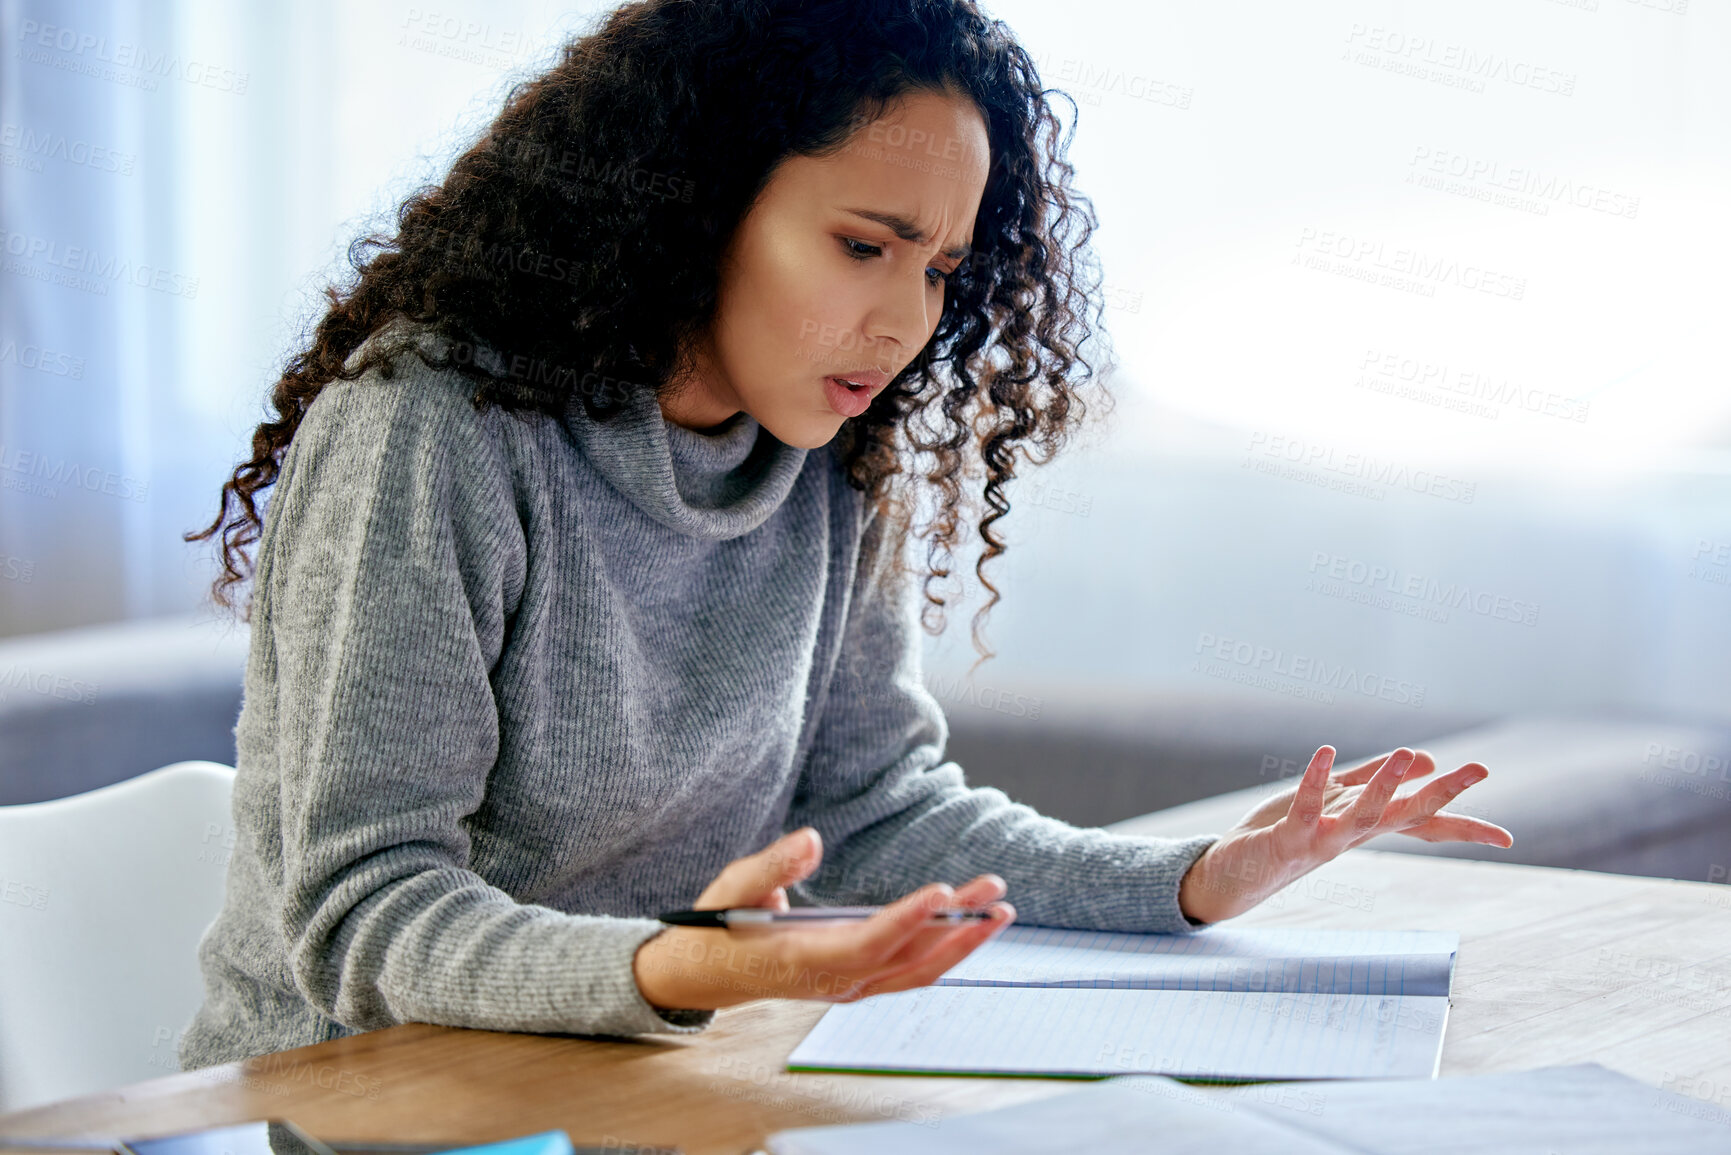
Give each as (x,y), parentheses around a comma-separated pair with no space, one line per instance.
(803,432)
(809,434)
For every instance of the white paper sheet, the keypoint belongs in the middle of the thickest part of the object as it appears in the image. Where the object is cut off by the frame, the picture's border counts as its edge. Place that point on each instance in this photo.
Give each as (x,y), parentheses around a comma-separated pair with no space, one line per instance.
(1137,1115)
(1583,1110)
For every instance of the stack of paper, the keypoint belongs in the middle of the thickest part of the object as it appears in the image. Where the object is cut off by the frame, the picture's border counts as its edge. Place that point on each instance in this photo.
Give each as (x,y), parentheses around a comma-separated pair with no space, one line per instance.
(1221,1003)
(1585,1110)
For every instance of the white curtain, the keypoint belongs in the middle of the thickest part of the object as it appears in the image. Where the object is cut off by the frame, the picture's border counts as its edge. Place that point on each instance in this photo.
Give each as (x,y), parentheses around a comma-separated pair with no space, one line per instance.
(178,181)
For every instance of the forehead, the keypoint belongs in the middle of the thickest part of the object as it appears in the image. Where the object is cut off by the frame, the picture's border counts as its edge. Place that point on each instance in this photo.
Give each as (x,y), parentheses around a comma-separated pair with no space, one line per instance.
(926,159)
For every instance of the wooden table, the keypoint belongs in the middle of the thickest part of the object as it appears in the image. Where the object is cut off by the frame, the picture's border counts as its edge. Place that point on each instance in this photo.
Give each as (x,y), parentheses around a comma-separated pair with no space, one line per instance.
(1555,966)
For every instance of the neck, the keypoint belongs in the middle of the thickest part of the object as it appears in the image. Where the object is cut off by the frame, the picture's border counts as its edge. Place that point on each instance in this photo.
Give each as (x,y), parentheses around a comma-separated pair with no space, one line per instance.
(700,417)
(701,402)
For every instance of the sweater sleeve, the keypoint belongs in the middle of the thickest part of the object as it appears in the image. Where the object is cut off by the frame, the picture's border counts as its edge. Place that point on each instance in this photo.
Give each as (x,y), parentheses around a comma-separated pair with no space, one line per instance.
(385,593)
(894,815)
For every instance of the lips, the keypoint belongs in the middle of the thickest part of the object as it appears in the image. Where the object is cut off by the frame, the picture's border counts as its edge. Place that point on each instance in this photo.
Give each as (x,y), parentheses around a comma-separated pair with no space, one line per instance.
(850,394)
(872,379)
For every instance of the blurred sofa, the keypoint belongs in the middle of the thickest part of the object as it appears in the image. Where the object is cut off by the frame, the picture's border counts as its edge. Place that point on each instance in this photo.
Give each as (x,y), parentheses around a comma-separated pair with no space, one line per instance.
(83,708)
(1629,795)
(86,707)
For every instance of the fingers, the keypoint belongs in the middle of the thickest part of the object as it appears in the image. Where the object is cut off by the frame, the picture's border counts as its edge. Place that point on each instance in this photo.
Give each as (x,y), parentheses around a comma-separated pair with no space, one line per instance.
(922,967)
(934,939)
(1366,813)
(978,891)
(899,931)
(1306,809)
(756,879)
(795,854)
(1363,772)
(1422,764)
(1446,827)
(1422,816)
(786,860)
(1419,806)
(880,937)
(896,945)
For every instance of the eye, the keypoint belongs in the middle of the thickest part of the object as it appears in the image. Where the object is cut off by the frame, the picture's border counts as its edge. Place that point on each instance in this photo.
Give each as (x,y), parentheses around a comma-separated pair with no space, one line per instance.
(865,251)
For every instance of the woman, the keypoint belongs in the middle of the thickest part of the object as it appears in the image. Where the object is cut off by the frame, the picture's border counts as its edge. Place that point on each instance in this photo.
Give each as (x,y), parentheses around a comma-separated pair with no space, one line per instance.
(582,580)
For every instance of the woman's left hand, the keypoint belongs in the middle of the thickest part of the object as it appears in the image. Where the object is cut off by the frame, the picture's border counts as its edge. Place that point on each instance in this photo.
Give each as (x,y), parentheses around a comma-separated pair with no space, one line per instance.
(1298,830)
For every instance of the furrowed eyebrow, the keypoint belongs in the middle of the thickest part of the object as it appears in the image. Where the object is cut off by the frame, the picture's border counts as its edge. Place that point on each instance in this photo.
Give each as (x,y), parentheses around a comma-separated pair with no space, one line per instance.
(908,231)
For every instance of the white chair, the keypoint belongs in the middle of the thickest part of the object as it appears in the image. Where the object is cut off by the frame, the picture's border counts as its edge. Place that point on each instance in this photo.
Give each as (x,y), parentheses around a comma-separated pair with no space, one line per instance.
(103,898)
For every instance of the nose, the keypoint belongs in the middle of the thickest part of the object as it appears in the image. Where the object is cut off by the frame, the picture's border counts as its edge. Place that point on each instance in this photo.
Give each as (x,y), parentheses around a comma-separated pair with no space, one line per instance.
(900,322)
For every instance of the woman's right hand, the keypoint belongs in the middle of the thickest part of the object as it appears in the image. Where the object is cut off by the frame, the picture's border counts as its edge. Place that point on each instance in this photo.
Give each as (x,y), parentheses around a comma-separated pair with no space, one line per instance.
(704,969)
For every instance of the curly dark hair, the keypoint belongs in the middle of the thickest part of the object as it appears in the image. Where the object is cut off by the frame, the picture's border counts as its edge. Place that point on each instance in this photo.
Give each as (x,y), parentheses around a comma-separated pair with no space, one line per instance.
(571,236)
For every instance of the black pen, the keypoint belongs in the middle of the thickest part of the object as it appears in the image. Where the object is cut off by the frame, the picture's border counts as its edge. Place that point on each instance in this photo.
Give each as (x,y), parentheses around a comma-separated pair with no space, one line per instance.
(802,915)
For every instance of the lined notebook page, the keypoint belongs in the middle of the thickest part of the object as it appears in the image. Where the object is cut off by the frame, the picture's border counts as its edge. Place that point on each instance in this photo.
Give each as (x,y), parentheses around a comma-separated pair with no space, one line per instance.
(1220,1003)
(1216,958)
(1021,1030)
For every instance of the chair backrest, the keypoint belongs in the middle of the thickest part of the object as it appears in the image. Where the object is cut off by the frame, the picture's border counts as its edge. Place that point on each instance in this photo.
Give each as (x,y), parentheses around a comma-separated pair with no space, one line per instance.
(103,899)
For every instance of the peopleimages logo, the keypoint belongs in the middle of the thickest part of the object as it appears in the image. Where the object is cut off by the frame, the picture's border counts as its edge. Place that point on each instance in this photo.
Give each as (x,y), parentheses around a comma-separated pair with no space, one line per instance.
(1373,258)
(80,262)
(1546,188)
(1460,65)
(1457,387)
(1300,675)
(449,35)
(1296,458)
(23,894)
(1712,562)
(26,467)
(1093,80)
(69,150)
(126,63)
(55,364)
(48,684)
(1337,576)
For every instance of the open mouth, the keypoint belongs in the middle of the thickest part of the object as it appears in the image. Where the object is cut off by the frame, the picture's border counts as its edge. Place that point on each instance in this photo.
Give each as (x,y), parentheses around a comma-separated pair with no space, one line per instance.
(846,396)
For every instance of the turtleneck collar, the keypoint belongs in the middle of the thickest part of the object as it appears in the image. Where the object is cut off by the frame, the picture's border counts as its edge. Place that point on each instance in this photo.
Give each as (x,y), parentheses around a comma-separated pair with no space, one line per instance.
(711,485)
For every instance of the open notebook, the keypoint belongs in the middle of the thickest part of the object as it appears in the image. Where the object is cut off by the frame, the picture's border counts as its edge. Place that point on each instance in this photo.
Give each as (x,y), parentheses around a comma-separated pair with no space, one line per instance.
(1220,1003)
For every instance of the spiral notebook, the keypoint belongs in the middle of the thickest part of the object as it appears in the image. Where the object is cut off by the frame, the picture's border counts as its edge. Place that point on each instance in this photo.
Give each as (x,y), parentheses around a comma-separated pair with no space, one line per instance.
(1221,1003)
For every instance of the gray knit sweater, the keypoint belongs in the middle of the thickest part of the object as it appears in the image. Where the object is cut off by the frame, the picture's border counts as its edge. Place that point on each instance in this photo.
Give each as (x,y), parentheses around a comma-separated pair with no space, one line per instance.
(517,684)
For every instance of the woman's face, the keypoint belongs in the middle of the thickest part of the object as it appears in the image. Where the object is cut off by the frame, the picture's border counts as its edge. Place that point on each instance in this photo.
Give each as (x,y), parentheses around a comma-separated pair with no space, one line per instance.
(838,271)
